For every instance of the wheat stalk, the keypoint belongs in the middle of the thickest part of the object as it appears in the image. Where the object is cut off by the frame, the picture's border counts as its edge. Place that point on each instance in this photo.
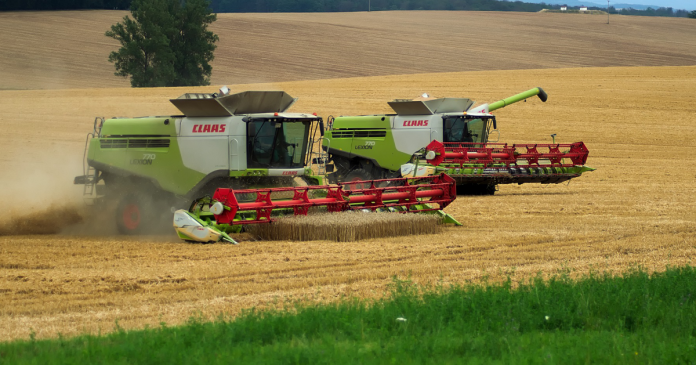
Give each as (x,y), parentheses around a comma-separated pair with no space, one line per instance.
(346,226)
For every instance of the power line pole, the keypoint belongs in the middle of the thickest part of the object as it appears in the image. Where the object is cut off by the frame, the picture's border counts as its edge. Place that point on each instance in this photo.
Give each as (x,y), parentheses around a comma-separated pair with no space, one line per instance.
(369,5)
(607,11)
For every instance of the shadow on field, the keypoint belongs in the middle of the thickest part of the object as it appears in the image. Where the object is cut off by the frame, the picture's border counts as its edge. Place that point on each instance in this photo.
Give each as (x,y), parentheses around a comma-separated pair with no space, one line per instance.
(538,193)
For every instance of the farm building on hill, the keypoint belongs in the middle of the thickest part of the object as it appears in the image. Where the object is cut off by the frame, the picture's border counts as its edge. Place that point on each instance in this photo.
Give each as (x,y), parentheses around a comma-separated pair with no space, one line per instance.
(583,8)
(564,7)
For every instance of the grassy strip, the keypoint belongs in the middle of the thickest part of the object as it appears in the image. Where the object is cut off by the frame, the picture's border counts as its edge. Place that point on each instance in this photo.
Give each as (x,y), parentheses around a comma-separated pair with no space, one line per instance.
(635,317)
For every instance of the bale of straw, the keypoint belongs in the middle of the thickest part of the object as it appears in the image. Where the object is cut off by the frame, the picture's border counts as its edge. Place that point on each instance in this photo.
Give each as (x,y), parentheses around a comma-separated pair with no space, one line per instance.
(346,226)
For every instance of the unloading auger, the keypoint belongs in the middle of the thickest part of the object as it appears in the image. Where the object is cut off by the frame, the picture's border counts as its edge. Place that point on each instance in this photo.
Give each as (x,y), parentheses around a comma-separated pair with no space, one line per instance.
(212,219)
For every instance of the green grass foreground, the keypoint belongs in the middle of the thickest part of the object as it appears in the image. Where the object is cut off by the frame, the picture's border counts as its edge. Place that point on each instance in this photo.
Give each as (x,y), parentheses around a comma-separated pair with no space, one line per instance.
(633,318)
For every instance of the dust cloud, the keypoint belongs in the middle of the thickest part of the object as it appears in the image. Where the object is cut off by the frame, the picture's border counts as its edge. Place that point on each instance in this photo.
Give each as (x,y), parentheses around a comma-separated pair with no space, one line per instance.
(37,191)
(49,221)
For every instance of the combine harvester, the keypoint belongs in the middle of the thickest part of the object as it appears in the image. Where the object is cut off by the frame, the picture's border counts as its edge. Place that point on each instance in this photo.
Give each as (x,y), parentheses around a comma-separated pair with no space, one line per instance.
(377,146)
(148,166)
(211,219)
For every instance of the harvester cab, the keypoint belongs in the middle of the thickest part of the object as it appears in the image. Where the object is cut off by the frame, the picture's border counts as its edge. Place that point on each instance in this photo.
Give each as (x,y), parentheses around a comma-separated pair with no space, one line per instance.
(376,146)
(148,166)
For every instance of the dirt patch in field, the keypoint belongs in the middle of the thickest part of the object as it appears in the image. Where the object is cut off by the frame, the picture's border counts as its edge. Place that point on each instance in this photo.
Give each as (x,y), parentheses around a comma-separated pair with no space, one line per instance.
(636,209)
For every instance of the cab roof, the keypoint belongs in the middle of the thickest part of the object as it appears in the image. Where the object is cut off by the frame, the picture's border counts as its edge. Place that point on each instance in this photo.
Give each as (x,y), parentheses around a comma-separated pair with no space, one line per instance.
(283,116)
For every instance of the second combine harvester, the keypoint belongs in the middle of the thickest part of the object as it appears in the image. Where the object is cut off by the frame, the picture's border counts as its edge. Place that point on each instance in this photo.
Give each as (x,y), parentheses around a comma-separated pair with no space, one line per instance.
(381,146)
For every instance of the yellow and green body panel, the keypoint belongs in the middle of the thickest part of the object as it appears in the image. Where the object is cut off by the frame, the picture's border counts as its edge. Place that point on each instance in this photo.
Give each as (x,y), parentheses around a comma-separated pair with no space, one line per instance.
(366,137)
(146,148)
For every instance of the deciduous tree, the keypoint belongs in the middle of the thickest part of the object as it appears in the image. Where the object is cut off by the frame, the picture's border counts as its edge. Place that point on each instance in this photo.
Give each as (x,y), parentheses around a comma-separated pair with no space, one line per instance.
(166,43)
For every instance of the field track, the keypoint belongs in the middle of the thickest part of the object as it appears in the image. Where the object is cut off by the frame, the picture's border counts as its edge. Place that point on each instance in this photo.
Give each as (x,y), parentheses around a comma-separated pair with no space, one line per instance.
(68,49)
(636,209)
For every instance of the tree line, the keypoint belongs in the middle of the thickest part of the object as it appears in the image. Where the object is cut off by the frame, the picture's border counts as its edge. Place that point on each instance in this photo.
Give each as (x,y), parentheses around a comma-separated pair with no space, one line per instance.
(7,5)
(662,11)
(265,6)
(302,6)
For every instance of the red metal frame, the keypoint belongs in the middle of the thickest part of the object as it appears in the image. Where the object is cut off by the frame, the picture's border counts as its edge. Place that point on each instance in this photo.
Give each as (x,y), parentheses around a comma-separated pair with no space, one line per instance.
(437,190)
(519,155)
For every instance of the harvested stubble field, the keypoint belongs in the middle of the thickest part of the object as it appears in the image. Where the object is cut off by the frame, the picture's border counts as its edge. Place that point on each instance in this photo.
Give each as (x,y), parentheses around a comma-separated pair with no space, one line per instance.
(68,49)
(636,209)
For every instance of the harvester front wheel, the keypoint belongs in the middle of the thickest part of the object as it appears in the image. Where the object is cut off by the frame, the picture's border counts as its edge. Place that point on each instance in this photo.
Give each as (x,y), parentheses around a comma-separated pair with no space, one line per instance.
(357,175)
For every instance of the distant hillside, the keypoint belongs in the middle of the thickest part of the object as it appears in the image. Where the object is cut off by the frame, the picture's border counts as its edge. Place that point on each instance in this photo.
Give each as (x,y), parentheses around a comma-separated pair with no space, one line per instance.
(603,5)
(575,11)
(568,2)
(68,49)
(633,6)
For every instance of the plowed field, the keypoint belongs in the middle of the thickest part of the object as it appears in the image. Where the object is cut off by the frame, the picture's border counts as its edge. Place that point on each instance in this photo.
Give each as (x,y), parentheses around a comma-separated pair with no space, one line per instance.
(68,49)
(636,209)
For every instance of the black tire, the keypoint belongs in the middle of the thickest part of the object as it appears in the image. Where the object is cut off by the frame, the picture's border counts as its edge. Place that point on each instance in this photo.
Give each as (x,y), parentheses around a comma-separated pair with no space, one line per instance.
(476,189)
(357,175)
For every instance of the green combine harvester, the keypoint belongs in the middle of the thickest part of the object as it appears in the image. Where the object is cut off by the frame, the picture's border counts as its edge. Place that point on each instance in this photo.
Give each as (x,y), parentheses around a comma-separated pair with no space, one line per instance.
(383,146)
(148,167)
